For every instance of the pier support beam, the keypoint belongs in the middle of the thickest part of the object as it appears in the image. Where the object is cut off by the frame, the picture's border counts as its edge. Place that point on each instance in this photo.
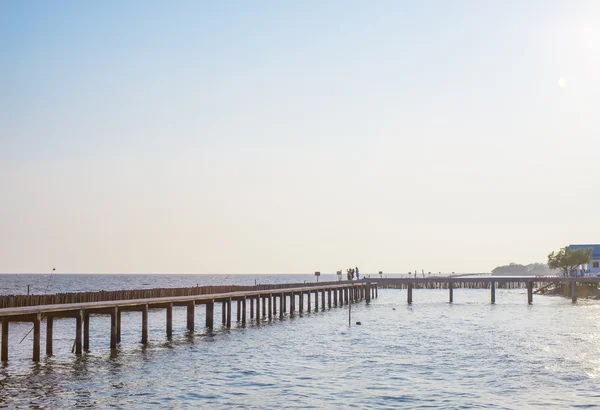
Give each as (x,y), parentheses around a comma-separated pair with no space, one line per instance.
(170,320)
(258,309)
(573,292)
(4,354)
(493,292)
(228,321)
(86,332)
(301,302)
(49,330)
(191,314)
(281,303)
(78,331)
(210,314)
(270,308)
(113,328)
(368,293)
(409,296)
(37,326)
(223,312)
(323,299)
(251,307)
(530,292)
(316,300)
(118,325)
(335,297)
(145,324)
(308,301)
(329,298)
(274,297)
(292,304)
(450,292)
(244,312)
(239,311)
(264,306)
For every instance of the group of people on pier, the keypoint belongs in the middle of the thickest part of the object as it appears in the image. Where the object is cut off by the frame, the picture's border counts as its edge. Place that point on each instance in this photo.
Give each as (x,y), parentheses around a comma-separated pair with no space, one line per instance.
(353,273)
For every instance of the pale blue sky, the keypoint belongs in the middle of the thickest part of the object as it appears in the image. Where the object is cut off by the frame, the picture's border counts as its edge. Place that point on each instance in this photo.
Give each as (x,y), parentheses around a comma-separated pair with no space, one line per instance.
(272,136)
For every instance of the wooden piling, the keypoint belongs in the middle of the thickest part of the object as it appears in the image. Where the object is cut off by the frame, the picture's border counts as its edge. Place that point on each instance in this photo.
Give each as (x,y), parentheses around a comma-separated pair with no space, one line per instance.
(86,333)
(264,306)
(329,298)
(530,292)
(335,297)
(244,312)
(451,292)
(258,309)
(49,331)
(37,325)
(191,313)
(270,309)
(145,324)
(223,312)
(210,313)
(251,307)
(281,303)
(308,304)
(113,328)
(78,332)
(573,292)
(316,300)
(239,310)
(228,321)
(4,355)
(493,292)
(170,320)
(409,296)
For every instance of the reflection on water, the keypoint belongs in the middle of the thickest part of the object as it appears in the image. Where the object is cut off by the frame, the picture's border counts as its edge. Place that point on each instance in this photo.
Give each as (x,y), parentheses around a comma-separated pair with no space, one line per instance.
(430,354)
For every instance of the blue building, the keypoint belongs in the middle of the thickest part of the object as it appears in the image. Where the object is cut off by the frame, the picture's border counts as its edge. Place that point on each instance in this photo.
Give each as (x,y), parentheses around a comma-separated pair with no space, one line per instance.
(592,268)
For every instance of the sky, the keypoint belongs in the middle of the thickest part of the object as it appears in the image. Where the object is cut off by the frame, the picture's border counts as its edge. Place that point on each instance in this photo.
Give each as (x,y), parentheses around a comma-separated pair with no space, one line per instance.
(293,137)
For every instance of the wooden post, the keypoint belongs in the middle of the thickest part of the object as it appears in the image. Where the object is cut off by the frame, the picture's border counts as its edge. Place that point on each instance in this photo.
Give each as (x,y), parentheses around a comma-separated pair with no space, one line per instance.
(228,324)
(274,297)
(308,301)
(78,331)
(410,289)
(376,290)
(37,325)
(210,314)
(86,332)
(223,312)
(244,312)
(270,299)
(258,309)
(251,307)
(239,311)
(191,313)
(301,302)
(4,355)
(368,292)
(573,292)
(329,298)
(145,324)
(49,329)
(264,306)
(451,292)
(323,299)
(316,300)
(118,325)
(284,302)
(113,328)
(170,320)
(335,297)
(530,292)
(493,292)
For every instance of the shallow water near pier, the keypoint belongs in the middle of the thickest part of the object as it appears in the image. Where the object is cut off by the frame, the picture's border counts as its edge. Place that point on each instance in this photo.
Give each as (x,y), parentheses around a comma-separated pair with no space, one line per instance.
(469,354)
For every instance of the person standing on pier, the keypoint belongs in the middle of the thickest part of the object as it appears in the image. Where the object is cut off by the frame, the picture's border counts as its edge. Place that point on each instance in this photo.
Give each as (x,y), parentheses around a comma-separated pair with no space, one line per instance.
(356,270)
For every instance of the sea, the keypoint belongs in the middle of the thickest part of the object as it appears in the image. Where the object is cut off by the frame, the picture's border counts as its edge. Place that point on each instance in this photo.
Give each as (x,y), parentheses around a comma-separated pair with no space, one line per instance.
(431,354)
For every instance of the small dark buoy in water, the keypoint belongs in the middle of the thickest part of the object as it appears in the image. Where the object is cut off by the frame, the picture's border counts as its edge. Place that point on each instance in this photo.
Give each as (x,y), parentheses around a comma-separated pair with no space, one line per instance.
(393,308)
(358,323)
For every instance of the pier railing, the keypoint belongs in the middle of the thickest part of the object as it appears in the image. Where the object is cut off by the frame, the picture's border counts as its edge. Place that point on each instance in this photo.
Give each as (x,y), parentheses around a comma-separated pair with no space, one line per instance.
(13,301)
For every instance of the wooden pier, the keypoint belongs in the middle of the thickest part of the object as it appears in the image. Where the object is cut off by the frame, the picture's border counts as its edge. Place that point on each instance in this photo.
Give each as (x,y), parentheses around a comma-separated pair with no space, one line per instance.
(491,283)
(262,303)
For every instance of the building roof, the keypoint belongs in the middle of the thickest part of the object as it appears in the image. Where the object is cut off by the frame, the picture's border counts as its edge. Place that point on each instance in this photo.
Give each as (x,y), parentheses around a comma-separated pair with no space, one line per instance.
(595,249)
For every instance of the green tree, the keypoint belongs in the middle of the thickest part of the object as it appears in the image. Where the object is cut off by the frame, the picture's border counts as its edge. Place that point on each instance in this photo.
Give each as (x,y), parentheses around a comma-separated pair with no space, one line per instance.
(566,260)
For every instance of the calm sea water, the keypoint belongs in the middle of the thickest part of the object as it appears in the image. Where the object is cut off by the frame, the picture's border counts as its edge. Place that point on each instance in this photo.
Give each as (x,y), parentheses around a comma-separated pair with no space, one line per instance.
(432,354)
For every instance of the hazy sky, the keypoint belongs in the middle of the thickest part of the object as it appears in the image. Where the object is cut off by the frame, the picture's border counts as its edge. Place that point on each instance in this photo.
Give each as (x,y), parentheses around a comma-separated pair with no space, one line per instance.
(280,136)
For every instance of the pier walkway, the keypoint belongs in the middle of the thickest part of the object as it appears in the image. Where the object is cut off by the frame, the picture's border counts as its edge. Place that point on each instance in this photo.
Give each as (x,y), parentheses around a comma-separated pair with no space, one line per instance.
(263,307)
